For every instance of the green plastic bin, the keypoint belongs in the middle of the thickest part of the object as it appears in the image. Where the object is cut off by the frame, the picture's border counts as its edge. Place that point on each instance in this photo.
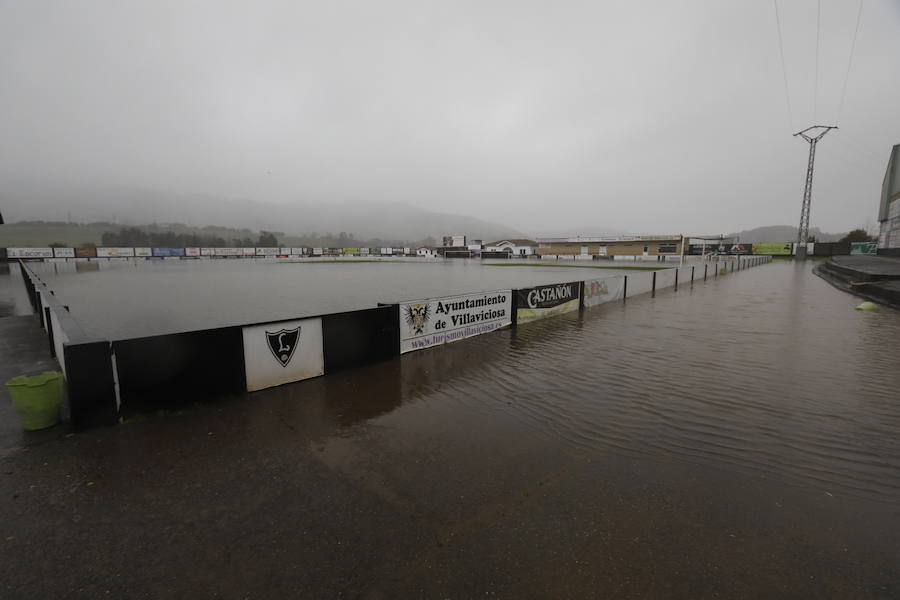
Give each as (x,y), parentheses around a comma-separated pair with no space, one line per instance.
(37,399)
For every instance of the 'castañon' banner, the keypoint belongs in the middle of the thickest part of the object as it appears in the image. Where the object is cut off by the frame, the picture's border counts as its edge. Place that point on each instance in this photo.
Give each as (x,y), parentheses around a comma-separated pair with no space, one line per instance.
(546,301)
(434,321)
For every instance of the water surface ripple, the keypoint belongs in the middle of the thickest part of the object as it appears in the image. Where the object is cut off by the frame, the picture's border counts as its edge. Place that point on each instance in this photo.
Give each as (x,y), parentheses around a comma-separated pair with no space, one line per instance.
(769,372)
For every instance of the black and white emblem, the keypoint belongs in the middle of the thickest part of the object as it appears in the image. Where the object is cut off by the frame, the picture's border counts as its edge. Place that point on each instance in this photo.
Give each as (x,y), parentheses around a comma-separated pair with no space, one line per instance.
(282,344)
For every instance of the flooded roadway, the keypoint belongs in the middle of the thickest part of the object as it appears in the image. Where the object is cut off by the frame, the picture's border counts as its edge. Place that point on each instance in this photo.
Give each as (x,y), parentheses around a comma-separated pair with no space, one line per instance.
(737,439)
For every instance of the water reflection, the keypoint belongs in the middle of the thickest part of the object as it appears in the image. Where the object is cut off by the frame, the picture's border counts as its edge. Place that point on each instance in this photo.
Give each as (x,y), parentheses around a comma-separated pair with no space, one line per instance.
(769,371)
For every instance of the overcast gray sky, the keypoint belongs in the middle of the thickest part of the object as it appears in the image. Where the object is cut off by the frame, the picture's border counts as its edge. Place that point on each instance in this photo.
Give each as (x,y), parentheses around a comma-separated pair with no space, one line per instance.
(645,116)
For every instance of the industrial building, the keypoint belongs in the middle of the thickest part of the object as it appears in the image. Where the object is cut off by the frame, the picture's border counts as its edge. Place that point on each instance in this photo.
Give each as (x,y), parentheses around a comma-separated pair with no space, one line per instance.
(889,210)
(611,247)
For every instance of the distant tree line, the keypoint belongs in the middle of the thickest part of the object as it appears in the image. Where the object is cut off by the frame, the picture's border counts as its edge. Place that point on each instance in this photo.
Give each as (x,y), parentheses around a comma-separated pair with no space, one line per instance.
(858,235)
(136,237)
(178,235)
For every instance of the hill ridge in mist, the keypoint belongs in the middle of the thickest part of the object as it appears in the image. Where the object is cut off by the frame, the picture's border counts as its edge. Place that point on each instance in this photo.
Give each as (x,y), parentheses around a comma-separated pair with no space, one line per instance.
(127,206)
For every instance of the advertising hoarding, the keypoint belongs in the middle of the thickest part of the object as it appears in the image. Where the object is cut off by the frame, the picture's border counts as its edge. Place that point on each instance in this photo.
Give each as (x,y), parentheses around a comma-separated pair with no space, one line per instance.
(546,301)
(863,247)
(298,251)
(283,352)
(86,252)
(248,251)
(168,252)
(192,251)
(773,249)
(435,321)
(114,252)
(64,252)
(145,252)
(317,252)
(267,251)
(601,291)
(228,251)
(29,252)
(351,251)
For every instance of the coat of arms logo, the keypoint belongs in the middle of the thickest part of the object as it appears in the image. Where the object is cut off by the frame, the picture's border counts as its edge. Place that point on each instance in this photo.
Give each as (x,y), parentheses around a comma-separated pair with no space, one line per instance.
(417,316)
(282,344)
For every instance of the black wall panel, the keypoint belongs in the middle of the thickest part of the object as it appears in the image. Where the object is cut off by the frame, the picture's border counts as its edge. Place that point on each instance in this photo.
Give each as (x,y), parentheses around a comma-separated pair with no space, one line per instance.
(170,370)
(89,380)
(361,337)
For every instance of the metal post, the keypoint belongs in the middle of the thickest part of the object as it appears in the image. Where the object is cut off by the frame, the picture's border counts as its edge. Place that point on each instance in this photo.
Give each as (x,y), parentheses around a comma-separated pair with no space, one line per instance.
(692,276)
(653,289)
(705,270)
(625,288)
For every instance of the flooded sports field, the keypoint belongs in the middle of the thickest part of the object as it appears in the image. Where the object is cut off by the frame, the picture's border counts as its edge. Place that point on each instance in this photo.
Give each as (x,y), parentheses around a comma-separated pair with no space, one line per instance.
(131,298)
(738,438)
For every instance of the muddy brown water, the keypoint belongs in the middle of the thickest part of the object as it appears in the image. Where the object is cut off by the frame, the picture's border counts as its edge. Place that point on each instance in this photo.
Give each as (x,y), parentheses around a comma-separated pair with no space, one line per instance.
(738,438)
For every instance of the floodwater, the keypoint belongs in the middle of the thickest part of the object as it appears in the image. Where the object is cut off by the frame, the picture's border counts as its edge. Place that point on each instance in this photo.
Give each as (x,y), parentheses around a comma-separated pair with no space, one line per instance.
(738,438)
(129,298)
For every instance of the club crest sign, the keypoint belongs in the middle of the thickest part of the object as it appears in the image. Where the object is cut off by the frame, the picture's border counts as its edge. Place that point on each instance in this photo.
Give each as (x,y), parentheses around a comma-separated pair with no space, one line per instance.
(283,352)
(282,344)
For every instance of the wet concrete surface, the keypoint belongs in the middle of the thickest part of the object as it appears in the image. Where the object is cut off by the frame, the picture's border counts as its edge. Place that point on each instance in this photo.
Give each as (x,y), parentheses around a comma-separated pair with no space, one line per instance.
(875,278)
(736,439)
(869,267)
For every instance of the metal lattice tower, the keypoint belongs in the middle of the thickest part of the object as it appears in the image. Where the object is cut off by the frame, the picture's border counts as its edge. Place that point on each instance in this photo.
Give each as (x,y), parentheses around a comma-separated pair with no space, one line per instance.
(812,139)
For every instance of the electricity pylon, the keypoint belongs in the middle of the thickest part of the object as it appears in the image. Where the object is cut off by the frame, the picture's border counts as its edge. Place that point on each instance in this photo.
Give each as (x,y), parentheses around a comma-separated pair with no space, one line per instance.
(803,230)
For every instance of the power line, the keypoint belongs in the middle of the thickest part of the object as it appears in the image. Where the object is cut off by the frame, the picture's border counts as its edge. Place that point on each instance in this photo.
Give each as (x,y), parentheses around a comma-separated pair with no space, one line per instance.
(861,147)
(787,95)
(816,81)
(852,157)
(849,62)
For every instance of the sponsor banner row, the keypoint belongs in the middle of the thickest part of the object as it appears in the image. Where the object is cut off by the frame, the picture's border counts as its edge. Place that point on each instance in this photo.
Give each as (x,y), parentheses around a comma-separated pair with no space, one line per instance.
(547,300)
(436,321)
(108,252)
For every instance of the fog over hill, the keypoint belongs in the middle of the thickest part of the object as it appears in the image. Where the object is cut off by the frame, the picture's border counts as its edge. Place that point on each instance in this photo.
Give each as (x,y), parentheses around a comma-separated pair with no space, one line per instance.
(577,231)
(29,201)
(774,234)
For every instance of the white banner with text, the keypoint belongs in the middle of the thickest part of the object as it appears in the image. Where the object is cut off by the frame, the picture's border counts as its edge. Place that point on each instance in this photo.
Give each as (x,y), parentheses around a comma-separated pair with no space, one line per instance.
(435,321)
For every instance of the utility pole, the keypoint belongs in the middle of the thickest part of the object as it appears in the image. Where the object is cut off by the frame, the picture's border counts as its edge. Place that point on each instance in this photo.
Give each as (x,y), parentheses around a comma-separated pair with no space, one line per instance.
(812,139)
